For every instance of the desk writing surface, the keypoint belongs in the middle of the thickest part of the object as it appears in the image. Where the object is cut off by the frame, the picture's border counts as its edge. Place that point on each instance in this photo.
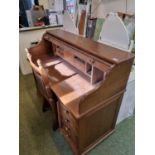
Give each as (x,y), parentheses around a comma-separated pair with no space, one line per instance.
(47,60)
(72,88)
(59,72)
(65,81)
(99,50)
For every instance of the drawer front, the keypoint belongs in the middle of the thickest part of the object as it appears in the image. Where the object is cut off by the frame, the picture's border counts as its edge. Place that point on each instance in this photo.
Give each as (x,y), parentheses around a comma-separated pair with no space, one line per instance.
(68,120)
(71,55)
(68,56)
(74,58)
(101,66)
(64,47)
(70,123)
(69,133)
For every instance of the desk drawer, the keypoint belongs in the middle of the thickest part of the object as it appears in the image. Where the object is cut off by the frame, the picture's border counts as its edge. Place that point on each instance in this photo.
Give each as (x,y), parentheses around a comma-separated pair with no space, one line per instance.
(68,132)
(68,120)
(102,66)
(74,58)
(69,123)
(72,55)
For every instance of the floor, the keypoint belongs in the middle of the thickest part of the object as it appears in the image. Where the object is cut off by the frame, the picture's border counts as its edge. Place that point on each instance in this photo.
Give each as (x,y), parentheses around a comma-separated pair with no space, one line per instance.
(37,137)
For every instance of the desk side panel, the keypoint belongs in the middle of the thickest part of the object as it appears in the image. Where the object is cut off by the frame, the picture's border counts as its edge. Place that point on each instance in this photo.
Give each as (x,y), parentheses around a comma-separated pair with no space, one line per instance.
(97,124)
(115,82)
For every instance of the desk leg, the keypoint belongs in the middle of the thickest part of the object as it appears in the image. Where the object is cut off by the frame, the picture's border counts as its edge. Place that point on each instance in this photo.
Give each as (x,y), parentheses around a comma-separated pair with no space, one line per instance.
(45,106)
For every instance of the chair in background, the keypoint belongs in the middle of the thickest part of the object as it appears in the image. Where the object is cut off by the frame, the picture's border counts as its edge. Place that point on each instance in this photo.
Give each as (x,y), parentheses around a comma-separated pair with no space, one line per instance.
(43,88)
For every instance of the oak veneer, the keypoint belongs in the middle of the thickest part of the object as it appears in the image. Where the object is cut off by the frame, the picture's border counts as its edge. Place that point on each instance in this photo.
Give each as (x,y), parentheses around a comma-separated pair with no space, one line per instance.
(90,82)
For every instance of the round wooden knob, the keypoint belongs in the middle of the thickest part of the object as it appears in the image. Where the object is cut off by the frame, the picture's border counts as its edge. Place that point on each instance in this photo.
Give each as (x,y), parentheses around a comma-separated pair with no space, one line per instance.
(67,112)
(66,128)
(93,61)
(66,120)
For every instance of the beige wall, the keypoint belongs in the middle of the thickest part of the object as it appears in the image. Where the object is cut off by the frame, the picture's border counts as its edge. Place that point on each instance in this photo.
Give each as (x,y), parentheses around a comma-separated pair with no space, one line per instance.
(45,3)
(52,4)
(106,6)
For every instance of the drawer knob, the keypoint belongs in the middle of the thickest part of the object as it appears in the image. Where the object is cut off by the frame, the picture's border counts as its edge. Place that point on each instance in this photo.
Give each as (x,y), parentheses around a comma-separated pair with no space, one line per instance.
(68,135)
(67,129)
(66,111)
(67,121)
(92,61)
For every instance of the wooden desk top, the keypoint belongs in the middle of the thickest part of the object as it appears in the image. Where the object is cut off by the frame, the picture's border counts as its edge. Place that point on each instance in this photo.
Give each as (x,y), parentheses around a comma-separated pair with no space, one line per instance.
(72,88)
(60,72)
(99,50)
(65,80)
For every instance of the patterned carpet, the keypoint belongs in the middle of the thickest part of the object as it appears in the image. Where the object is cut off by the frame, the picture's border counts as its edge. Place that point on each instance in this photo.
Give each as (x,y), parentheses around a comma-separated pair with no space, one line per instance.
(37,137)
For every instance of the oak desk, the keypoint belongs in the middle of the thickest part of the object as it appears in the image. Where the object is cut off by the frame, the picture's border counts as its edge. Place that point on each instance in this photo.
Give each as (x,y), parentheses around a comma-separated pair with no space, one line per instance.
(89,80)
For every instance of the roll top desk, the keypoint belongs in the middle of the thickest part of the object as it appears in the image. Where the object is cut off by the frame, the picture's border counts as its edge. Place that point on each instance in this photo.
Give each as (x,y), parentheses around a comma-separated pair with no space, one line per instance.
(89,80)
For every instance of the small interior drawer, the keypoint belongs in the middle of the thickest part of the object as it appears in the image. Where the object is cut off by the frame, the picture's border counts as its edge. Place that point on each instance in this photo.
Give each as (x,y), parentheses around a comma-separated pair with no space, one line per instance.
(101,66)
(72,58)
